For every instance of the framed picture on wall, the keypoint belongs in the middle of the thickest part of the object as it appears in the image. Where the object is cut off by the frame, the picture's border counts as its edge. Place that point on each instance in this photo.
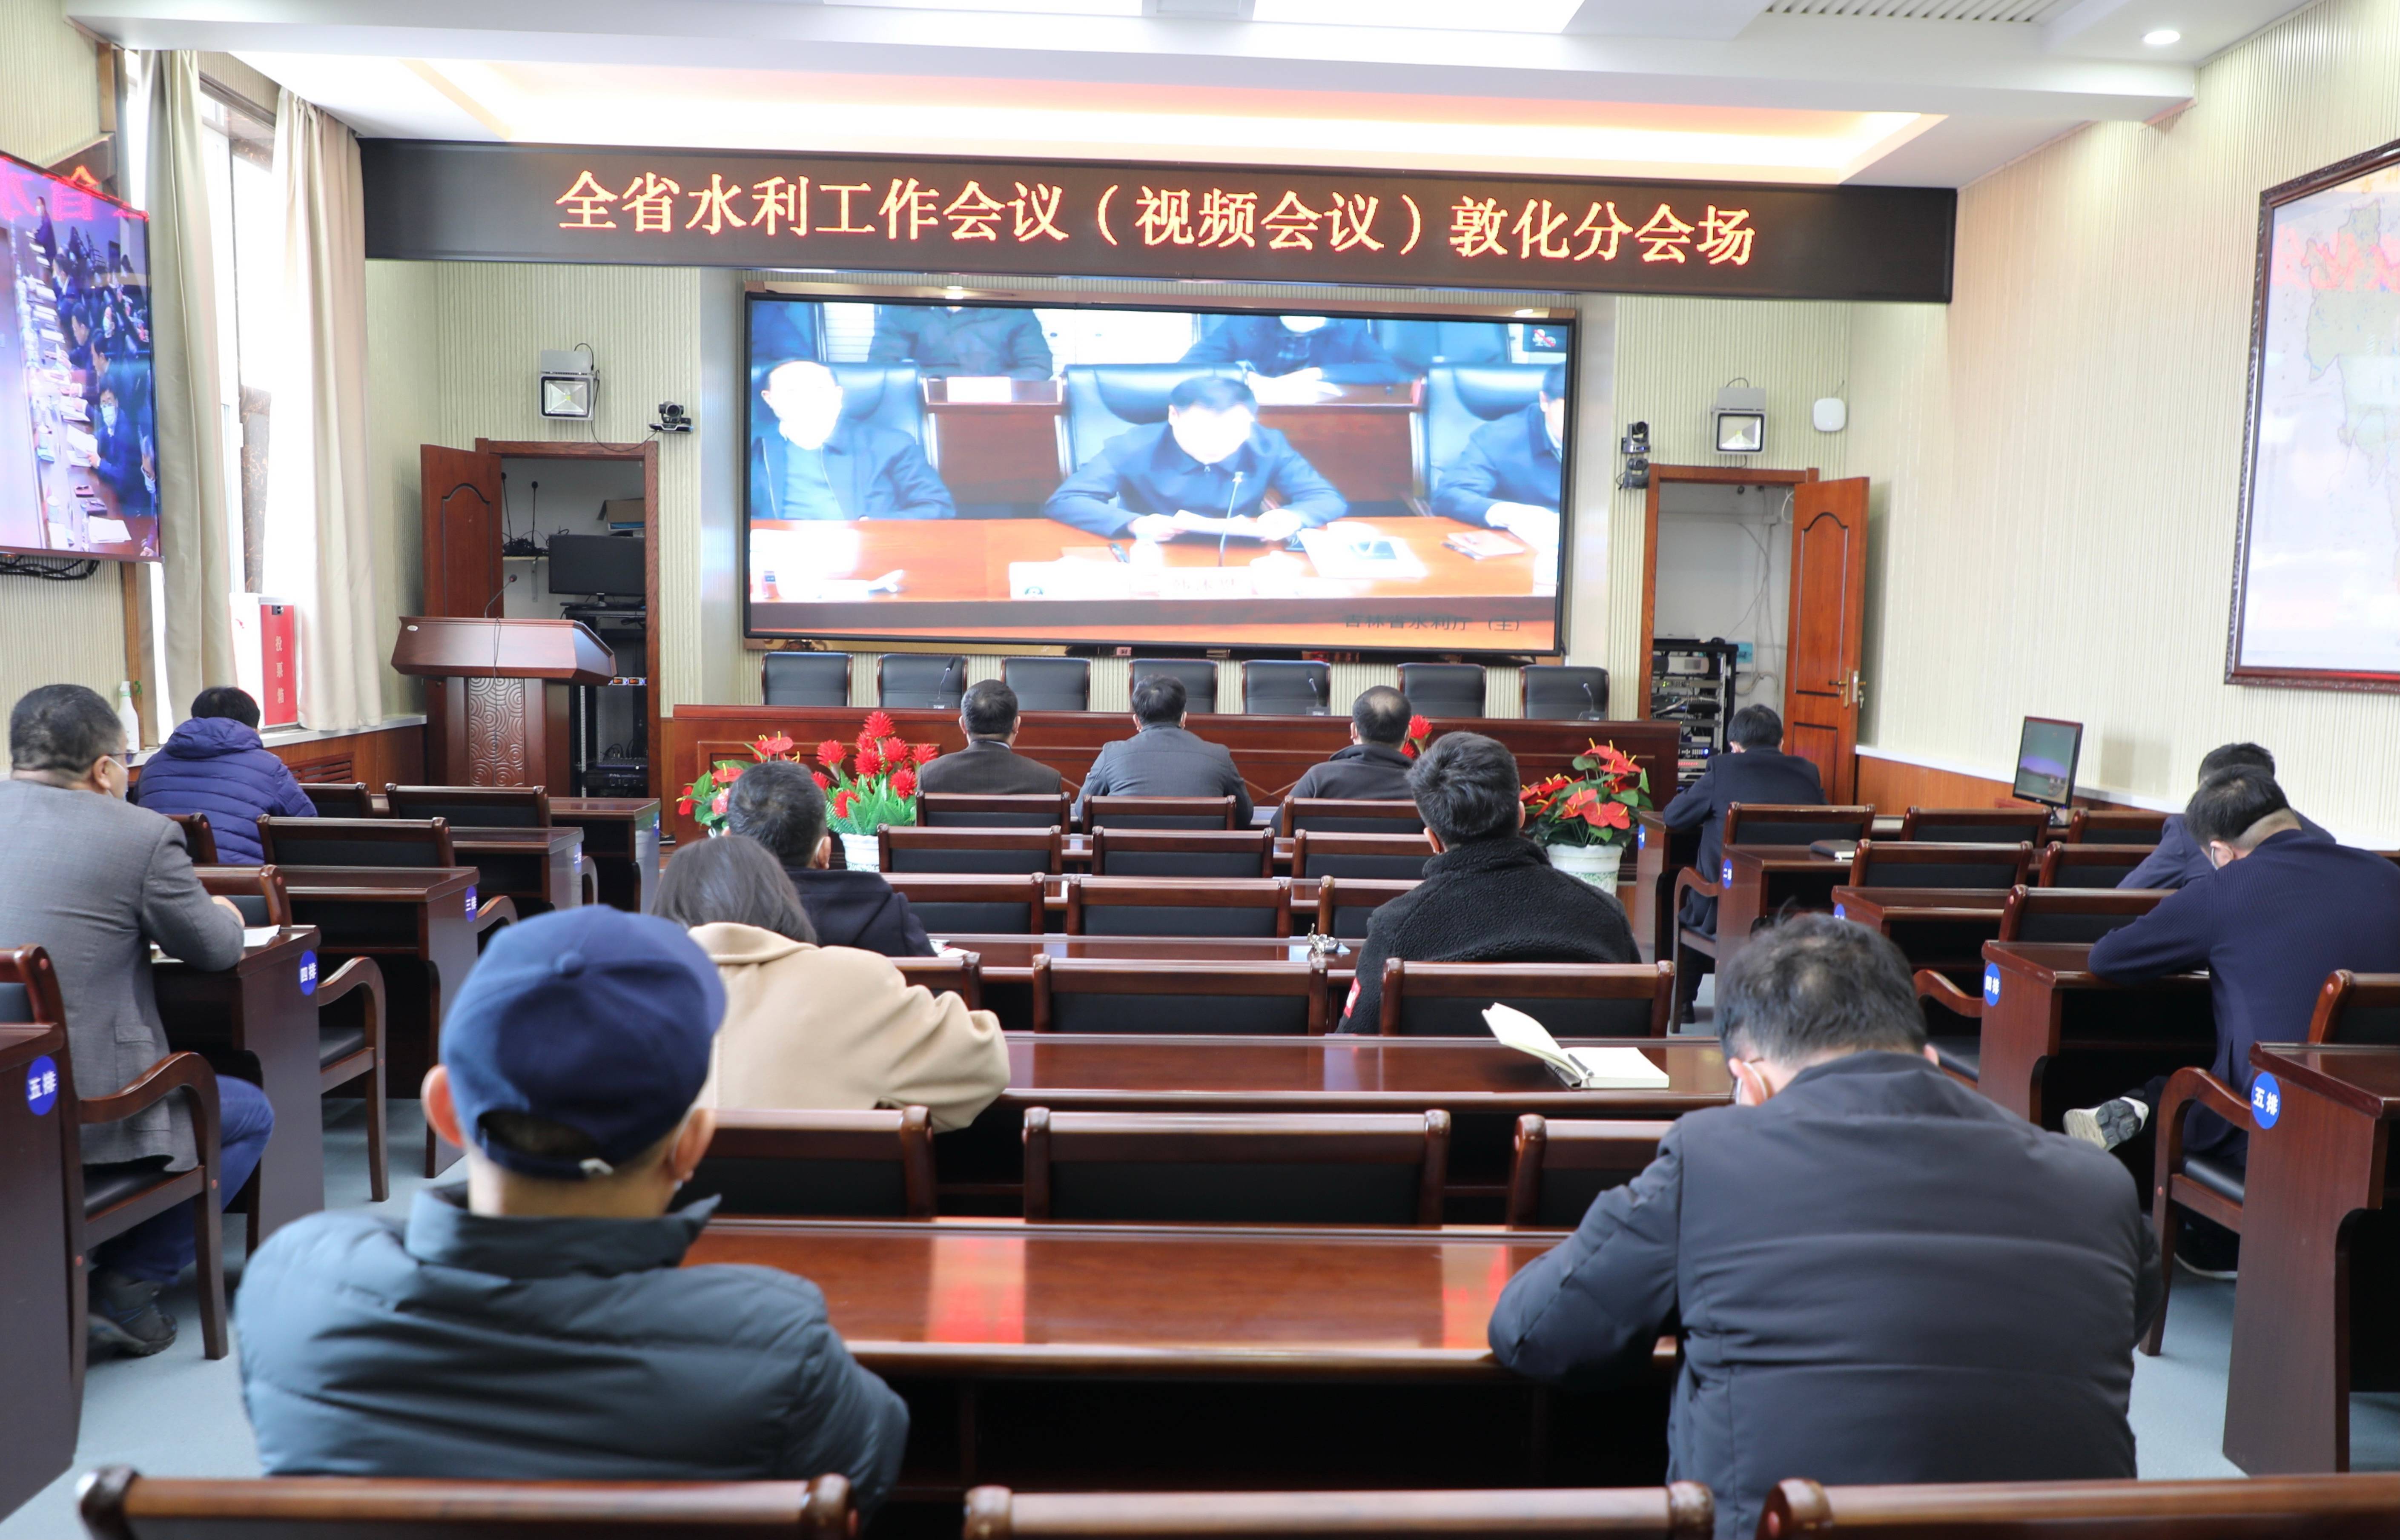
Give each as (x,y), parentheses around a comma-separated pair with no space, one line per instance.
(2316,575)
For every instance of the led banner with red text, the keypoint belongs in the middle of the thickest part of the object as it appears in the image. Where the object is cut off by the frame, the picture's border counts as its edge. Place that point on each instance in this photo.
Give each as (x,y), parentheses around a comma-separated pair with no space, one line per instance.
(746,208)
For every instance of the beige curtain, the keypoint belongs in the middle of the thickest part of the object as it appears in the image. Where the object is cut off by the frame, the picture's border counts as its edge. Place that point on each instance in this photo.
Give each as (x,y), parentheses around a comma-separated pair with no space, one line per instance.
(320,549)
(190,451)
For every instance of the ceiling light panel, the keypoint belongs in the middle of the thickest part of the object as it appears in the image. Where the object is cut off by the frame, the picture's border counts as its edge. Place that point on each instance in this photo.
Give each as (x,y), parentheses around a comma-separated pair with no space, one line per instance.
(1029,8)
(1925,10)
(1537,16)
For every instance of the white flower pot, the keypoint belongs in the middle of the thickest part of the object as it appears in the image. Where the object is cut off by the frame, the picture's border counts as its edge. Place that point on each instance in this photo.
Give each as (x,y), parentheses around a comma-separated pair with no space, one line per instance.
(863,851)
(1595,864)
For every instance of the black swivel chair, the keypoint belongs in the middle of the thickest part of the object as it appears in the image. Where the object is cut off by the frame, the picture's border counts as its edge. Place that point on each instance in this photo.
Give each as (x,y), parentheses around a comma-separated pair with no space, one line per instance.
(1460,396)
(1199,676)
(1049,683)
(808,679)
(921,681)
(1443,690)
(1286,688)
(1104,400)
(1553,692)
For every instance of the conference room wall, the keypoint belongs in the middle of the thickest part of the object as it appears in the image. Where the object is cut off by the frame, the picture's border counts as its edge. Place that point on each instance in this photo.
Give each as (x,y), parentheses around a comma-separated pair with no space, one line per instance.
(2058,456)
(49,106)
(405,390)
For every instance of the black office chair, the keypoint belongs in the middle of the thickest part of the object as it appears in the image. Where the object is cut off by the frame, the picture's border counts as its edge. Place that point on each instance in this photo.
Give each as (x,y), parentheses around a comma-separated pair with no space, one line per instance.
(808,679)
(1554,692)
(1460,396)
(1287,687)
(1049,683)
(1443,690)
(1199,676)
(920,681)
(1104,400)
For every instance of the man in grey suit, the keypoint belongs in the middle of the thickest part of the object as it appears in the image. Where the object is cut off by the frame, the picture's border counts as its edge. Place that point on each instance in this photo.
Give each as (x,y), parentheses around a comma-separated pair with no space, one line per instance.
(94,880)
(1163,759)
(991,765)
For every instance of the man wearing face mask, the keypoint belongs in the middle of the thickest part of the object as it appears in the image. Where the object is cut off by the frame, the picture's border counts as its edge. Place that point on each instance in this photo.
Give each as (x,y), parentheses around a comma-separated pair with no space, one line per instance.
(124,467)
(1509,476)
(1211,457)
(819,464)
(1878,1275)
(1299,358)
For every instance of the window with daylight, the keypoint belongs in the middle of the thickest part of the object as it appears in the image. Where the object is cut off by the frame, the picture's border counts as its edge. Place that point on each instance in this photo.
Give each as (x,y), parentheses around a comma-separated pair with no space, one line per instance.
(245,219)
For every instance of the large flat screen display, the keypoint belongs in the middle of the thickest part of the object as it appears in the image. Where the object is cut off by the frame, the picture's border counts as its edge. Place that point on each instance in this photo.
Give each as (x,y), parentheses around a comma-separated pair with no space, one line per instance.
(1106,473)
(78,435)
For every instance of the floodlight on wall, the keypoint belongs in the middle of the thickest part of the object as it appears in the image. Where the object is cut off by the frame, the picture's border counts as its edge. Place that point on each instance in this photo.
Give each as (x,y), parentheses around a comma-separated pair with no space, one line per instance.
(569,383)
(1739,418)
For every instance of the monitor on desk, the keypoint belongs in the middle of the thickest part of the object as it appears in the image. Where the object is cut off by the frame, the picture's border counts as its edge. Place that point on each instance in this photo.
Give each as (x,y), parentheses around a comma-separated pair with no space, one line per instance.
(2047,750)
(1116,473)
(606,566)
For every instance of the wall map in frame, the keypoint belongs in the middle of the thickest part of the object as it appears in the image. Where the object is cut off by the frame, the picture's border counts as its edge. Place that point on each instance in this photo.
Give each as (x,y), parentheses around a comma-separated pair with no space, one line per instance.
(2316,597)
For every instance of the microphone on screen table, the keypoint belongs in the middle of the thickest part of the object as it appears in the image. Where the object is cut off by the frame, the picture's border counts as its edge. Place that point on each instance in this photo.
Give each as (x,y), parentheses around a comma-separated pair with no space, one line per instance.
(1225,534)
(1593,714)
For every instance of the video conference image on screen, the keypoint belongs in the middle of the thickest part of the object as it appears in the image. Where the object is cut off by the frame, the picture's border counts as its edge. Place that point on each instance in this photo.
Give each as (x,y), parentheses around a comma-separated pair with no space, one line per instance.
(1106,474)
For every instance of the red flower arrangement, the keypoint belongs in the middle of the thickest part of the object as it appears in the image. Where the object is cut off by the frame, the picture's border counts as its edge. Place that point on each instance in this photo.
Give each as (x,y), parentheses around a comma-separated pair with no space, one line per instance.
(1593,807)
(1419,731)
(879,786)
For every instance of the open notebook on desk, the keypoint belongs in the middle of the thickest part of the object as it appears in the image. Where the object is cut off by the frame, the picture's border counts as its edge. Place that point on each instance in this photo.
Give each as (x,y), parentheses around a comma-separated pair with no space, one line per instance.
(1585,1069)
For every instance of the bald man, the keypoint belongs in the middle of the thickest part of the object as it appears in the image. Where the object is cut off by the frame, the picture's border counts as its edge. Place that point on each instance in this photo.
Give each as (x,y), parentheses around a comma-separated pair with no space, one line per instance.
(819,464)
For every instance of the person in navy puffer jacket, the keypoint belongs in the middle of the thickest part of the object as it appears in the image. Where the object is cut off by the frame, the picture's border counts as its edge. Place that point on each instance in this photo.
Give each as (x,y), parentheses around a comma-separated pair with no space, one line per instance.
(214,764)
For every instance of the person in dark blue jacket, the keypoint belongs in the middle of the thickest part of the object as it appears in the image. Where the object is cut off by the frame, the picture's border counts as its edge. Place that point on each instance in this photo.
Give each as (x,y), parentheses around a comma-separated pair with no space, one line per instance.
(819,464)
(535,1322)
(1509,475)
(215,765)
(1211,457)
(2282,910)
(2180,860)
(942,340)
(1877,1274)
(780,805)
(1298,350)
(1753,770)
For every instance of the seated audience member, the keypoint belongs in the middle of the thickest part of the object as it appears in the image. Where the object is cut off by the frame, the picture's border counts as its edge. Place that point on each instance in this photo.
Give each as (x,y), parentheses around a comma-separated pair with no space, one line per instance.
(1880,1276)
(1162,758)
(991,765)
(2180,859)
(1372,768)
(781,806)
(1210,458)
(534,1323)
(819,464)
(215,765)
(94,881)
(2281,909)
(811,1025)
(1753,770)
(1298,358)
(1489,894)
(1509,475)
(942,340)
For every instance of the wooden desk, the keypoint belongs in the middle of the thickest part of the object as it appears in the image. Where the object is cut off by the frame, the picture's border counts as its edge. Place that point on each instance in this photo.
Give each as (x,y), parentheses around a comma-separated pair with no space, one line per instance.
(257,1021)
(1759,879)
(2319,1230)
(1271,753)
(1362,439)
(2056,1035)
(998,452)
(1943,929)
(419,923)
(620,840)
(956,569)
(1008,962)
(1065,1356)
(539,869)
(43,1405)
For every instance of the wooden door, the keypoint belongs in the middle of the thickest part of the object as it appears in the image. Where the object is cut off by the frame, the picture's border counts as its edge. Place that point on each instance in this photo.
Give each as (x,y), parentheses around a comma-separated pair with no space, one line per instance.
(461,490)
(1829,570)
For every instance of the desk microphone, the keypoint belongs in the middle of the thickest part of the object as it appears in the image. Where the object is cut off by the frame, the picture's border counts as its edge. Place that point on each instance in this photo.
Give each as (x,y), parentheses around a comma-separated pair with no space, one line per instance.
(1223,535)
(1318,691)
(498,594)
(1593,714)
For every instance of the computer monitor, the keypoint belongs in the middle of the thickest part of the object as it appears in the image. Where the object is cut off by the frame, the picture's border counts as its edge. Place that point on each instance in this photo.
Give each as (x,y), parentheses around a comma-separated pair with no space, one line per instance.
(603,566)
(2047,750)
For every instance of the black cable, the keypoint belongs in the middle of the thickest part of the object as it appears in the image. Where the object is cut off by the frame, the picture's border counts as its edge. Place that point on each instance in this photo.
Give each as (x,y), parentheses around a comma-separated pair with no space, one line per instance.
(53,569)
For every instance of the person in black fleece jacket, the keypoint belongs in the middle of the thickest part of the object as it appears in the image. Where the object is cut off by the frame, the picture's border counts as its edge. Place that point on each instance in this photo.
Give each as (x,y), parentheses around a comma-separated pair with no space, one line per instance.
(780,805)
(1489,894)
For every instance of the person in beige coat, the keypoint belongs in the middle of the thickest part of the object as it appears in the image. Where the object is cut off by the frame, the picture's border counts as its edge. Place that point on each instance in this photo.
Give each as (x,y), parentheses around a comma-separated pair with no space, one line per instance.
(820,1026)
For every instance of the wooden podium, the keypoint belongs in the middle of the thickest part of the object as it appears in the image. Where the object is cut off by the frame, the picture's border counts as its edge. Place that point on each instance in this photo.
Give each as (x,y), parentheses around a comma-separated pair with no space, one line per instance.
(498,714)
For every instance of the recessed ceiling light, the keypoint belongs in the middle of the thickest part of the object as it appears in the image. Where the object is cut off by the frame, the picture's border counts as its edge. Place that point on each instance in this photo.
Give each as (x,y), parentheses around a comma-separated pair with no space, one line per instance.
(2165,38)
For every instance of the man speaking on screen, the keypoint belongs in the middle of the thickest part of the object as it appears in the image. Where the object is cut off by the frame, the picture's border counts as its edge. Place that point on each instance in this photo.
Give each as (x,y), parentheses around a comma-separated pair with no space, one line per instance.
(819,464)
(1207,467)
(1509,475)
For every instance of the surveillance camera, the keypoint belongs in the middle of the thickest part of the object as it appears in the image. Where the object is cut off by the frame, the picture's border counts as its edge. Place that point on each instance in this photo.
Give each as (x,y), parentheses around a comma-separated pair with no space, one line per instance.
(671,418)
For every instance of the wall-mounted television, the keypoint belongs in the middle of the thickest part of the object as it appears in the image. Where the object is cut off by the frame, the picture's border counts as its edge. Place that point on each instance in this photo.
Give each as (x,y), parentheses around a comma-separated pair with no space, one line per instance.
(1096,474)
(78,419)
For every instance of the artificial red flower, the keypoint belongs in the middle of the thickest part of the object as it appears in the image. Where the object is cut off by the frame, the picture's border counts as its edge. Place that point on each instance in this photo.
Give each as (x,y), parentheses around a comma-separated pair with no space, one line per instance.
(904,782)
(728,774)
(1408,748)
(717,805)
(895,750)
(683,804)
(1419,726)
(1609,814)
(1584,796)
(772,748)
(830,752)
(841,803)
(869,762)
(879,725)
(925,753)
(824,781)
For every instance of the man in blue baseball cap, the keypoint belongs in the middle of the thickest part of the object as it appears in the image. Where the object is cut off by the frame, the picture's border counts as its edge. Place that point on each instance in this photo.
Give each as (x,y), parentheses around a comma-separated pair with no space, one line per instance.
(534,1323)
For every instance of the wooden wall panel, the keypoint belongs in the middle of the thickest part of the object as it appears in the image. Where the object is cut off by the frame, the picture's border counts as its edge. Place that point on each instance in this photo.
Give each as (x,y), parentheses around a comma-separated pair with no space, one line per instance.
(1894,785)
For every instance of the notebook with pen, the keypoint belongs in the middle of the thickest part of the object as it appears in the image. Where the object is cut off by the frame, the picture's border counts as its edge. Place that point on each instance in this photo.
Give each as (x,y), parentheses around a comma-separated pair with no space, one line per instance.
(1584,1069)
